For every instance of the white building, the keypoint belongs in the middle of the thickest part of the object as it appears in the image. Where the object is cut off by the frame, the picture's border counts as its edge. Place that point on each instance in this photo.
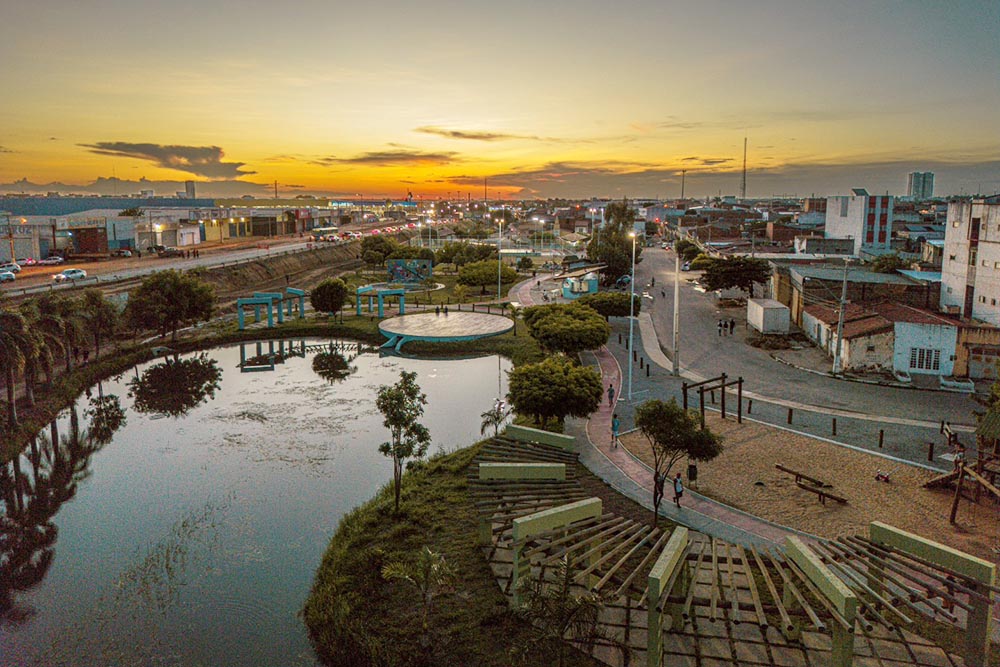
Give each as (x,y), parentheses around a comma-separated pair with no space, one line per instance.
(970,263)
(920,184)
(865,218)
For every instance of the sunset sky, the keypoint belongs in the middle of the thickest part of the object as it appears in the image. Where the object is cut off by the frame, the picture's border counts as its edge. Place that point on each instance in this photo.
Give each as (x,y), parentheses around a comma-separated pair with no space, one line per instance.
(542,98)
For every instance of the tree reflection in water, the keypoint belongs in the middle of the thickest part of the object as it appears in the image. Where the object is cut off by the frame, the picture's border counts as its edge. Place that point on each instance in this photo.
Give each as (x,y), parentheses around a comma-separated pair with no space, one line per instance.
(33,487)
(176,385)
(333,366)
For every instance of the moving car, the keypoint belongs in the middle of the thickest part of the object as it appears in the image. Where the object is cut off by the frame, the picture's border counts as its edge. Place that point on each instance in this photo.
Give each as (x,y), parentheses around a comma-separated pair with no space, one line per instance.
(51,259)
(121,252)
(7,276)
(25,261)
(70,274)
(11,267)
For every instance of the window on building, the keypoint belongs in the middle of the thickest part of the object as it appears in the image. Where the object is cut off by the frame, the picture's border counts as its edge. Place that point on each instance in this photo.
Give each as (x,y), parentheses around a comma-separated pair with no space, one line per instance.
(949,290)
(925,359)
(993,302)
(951,258)
(871,348)
(996,265)
(982,299)
(956,223)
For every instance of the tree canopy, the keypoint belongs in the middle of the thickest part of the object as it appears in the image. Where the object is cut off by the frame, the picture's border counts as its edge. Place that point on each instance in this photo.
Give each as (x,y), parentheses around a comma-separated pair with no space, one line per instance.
(375,249)
(611,304)
(554,388)
(175,386)
(328,296)
(739,272)
(888,263)
(673,434)
(687,250)
(483,274)
(99,314)
(401,405)
(168,300)
(612,245)
(570,328)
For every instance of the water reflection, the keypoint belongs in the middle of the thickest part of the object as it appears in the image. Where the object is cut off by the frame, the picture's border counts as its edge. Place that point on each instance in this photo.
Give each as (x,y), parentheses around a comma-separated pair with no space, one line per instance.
(175,386)
(195,542)
(34,486)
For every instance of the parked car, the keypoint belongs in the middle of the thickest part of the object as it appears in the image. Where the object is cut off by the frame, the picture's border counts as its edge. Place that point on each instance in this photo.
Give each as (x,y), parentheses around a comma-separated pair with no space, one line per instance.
(121,252)
(51,259)
(25,261)
(70,274)
(12,267)
(686,266)
(170,252)
(7,276)
(155,248)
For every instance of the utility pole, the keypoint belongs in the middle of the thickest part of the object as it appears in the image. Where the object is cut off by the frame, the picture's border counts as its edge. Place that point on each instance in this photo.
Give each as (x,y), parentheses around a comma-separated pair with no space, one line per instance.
(837,362)
(675,362)
(743,182)
(683,172)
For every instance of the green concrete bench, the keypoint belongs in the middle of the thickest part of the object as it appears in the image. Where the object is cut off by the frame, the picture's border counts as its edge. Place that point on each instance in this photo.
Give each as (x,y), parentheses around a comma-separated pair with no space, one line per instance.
(527,434)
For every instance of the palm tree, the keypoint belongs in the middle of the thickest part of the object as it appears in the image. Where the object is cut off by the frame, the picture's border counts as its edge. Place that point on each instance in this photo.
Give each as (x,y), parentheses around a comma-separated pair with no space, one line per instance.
(494,418)
(99,315)
(46,334)
(562,616)
(14,341)
(431,575)
(66,312)
(515,312)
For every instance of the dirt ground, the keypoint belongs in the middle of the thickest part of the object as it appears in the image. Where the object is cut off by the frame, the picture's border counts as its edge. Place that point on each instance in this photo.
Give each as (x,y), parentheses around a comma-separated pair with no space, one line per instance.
(744,476)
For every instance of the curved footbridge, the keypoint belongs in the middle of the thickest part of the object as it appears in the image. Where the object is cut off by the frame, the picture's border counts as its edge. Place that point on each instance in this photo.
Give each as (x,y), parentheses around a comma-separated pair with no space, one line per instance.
(439,327)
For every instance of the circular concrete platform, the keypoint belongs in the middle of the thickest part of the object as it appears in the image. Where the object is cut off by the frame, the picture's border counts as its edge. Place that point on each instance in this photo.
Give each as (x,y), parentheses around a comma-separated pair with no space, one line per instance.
(455,326)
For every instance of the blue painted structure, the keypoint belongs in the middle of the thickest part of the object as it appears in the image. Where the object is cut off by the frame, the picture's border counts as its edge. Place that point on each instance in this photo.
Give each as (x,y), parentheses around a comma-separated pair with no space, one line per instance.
(433,334)
(373,292)
(575,287)
(262,361)
(257,303)
(292,294)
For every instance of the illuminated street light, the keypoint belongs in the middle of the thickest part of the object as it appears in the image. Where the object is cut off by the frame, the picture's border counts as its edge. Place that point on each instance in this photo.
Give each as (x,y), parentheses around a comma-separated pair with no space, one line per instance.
(631,316)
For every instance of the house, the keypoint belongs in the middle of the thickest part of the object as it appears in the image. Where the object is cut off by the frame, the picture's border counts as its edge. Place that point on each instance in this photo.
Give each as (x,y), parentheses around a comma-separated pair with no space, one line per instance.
(970,268)
(865,218)
(886,336)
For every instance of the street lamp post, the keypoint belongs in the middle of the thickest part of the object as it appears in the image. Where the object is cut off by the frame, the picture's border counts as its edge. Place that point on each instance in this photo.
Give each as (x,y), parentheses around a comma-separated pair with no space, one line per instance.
(499,257)
(631,316)
(838,365)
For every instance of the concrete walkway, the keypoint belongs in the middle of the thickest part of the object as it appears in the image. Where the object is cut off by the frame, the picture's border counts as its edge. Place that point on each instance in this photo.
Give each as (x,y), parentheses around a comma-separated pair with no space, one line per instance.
(617,467)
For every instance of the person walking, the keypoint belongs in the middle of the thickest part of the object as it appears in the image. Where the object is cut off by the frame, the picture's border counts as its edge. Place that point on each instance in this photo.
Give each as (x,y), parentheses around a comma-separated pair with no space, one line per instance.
(732,326)
(615,425)
(611,395)
(659,481)
(678,490)
(720,327)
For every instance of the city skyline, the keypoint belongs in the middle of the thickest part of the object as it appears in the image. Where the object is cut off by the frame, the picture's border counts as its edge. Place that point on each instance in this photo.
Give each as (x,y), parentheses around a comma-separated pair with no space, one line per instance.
(544,99)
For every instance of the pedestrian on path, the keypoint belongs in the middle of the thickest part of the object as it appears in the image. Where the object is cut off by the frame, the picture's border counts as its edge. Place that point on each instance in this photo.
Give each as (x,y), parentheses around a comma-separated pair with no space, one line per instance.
(732,326)
(720,327)
(615,425)
(678,490)
(611,395)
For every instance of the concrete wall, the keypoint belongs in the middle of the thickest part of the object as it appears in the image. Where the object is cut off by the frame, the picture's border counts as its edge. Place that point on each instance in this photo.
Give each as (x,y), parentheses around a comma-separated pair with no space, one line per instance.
(940,337)
(977,352)
(874,352)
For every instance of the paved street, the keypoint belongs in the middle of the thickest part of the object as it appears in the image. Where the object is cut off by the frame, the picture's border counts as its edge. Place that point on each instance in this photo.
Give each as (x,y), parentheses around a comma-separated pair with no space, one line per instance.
(704,353)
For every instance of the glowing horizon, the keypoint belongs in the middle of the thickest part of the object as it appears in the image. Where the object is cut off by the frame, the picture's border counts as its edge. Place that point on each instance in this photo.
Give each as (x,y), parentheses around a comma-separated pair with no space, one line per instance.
(550,100)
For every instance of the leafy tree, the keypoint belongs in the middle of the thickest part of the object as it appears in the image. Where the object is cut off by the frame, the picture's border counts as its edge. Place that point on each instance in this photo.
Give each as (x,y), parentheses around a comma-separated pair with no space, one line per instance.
(515,312)
(168,300)
(611,304)
(412,252)
(701,262)
(563,616)
(175,386)
(402,404)
(569,328)
(554,388)
(99,314)
(739,272)
(612,245)
(375,249)
(460,253)
(687,250)
(524,263)
(328,296)
(482,274)
(460,292)
(431,575)
(106,417)
(673,433)
(888,263)
(494,418)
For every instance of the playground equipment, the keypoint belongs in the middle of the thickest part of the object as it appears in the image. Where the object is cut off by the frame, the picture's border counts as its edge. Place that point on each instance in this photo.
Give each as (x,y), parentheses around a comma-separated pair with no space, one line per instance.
(277,352)
(983,473)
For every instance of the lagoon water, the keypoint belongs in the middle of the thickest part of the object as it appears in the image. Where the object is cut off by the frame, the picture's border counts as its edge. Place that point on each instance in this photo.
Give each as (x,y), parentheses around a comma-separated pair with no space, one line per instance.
(193,539)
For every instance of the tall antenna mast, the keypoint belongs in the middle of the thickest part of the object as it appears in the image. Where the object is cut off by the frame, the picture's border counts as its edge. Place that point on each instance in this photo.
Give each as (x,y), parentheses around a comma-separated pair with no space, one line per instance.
(683,171)
(743,182)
